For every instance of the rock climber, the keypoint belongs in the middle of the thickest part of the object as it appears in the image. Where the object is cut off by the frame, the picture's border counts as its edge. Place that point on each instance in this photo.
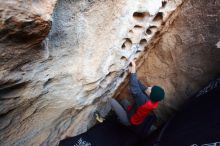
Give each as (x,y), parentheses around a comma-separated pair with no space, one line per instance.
(145,99)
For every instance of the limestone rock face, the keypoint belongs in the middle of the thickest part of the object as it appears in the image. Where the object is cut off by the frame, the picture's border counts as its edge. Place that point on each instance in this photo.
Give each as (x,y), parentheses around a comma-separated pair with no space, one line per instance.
(51,84)
(185,55)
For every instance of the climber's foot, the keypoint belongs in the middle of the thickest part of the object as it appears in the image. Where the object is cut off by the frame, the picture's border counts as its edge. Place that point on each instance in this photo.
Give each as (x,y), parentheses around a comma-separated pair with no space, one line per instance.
(98,117)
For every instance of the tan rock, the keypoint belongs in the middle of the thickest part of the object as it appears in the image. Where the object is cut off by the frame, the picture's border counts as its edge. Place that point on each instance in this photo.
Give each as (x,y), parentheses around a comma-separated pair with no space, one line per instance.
(185,57)
(50,87)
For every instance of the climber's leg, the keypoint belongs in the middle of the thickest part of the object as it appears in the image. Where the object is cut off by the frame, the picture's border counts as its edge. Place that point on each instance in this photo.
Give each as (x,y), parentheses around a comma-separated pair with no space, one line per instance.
(125,103)
(120,112)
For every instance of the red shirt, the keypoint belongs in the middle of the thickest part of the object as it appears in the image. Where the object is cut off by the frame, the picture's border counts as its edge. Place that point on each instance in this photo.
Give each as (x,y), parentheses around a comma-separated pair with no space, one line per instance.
(142,112)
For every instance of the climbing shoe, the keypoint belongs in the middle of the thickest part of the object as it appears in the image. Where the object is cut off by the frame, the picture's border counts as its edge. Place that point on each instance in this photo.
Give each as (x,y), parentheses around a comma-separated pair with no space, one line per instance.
(98,117)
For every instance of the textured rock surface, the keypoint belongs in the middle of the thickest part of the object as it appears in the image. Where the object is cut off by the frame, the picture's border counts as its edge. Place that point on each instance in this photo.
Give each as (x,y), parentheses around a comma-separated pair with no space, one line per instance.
(23,26)
(50,87)
(186,56)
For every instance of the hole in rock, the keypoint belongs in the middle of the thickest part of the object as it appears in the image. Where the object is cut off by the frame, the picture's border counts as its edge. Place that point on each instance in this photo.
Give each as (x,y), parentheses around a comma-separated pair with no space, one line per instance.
(140,15)
(143,42)
(50,80)
(138,51)
(122,74)
(131,31)
(127,44)
(164,3)
(124,58)
(149,31)
(123,46)
(158,17)
(138,27)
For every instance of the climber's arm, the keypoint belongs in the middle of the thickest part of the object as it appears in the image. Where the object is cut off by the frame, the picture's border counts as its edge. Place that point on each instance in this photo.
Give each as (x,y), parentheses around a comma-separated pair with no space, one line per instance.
(143,88)
(136,91)
(133,70)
